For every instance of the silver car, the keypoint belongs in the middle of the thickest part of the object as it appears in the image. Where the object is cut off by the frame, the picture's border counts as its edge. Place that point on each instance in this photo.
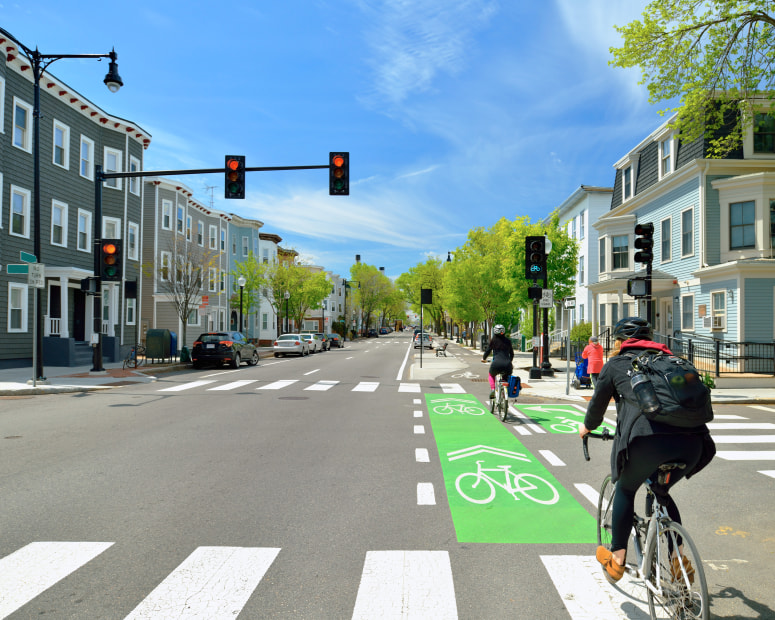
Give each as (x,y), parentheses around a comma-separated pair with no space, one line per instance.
(315,343)
(291,344)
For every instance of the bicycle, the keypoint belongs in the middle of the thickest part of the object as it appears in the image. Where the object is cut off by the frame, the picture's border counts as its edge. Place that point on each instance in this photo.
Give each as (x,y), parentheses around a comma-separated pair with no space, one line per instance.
(501,401)
(524,484)
(668,562)
(136,357)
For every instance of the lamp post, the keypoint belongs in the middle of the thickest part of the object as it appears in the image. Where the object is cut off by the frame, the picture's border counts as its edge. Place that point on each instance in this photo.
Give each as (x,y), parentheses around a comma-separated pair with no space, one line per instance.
(241,281)
(546,365)
(40,63)
(287,320)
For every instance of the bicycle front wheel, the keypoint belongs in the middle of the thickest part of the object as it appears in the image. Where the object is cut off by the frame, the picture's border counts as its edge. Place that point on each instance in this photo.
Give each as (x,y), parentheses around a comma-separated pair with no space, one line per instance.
(676,583)
(604,510)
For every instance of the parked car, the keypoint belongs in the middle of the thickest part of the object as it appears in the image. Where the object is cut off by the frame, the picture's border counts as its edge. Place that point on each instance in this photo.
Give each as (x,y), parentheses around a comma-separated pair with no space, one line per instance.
(315,346)
(288,344)
(372,333)
(335,340)
(223,347)
(383,330)
(325,343)
(422,340)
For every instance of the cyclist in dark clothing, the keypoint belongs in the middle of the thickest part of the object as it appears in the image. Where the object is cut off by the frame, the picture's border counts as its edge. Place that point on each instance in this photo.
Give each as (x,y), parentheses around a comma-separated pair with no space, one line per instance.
(502,356)
(640,445)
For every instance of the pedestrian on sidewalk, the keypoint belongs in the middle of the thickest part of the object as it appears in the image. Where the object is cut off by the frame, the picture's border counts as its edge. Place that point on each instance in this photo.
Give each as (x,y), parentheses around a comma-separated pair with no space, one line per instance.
(593,352)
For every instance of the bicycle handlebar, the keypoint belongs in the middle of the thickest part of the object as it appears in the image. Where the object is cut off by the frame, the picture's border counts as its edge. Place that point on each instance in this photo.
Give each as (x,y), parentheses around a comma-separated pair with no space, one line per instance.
(605,435)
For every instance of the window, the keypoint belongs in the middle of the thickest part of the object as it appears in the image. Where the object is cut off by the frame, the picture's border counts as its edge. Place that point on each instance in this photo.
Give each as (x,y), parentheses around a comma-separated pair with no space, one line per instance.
(620,252)
(111,228)
(131,311)
(666,239)
(234,245)
(264,321)
(687,312)
(166,214)
(627,183)
(188,227)
(614,314)
(602,315)
(742,231)
(245,246)
(764,134)
(223,240)
(20,212)
(602,254)
(61,145)
(665,157)
(17,307)
(84,231)
(134,182)
(133,241)
(718,301)
(581,224)
(112,163)
(200,232)
(22,125)
(86,168)
(213,280)
(572,228)
(581,270)
(193,317)
(166,264)
(223,281)
(687,232)
(179,220)
(213,237)
(58,223)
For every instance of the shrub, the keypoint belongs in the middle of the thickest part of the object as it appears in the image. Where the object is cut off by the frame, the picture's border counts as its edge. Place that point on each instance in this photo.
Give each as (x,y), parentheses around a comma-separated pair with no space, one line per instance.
(581,331)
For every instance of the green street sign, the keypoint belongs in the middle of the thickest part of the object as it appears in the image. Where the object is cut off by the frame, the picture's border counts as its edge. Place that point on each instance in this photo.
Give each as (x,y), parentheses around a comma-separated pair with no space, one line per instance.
(28,258)
(18,268)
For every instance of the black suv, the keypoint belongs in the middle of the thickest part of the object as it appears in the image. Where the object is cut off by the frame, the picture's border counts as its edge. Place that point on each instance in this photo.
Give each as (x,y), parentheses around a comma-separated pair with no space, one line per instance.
(223,347)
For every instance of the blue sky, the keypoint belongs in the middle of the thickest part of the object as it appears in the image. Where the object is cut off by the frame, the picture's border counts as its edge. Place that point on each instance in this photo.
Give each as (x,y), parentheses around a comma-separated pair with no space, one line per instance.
(455,112)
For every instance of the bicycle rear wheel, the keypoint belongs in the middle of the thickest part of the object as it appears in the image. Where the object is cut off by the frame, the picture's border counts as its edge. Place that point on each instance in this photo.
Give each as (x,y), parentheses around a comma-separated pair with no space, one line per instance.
(503,405)
(604,512)
(676,584)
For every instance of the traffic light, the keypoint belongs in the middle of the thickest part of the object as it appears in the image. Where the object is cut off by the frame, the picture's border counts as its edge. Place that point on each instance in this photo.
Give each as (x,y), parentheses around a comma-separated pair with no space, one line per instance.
(235,176)
(645,243)
(535,258)
(339,174)
(110,260)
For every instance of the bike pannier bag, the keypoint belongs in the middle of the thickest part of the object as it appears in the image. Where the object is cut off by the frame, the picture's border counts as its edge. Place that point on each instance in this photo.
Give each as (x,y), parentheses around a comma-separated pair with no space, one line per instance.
(515,385)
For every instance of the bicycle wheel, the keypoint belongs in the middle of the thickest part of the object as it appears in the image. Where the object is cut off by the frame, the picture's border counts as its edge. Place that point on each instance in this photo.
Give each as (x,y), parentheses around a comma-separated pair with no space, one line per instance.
(676,583)
(493,405)
(604,510)
(503,404)
(475,488)
(535,488)
(140,358)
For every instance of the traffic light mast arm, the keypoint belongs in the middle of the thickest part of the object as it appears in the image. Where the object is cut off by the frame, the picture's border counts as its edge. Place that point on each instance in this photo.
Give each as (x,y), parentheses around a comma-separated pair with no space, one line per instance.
(156,173)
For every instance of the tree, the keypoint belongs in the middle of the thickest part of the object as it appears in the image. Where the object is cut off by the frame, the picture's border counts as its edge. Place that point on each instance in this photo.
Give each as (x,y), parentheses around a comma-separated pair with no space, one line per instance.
(251,270)
(307,289)
(430,275)
(373,290)
(714,56)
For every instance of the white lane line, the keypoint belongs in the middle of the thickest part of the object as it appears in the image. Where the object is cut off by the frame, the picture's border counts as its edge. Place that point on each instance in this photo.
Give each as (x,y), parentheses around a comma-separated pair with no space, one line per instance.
(312,372)
(406,584)
(400,374)
(452,388)
(233,385)
(589,492)
(213,582)
(421,455)
(321,386)
(419,429)
(36,567)
(416,401)
(426,496)
(741,426)
(728,417)
(763,408)
(418,414)
(753,455)
(552,458)
(744,438)
(366,386)
(409,387)
(277,385)
(187,386)
(768,472)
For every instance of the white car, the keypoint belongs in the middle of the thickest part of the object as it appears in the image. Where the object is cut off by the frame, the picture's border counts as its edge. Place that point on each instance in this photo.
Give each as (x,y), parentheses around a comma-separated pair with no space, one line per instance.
(291,344)
(315,343)
(423,341)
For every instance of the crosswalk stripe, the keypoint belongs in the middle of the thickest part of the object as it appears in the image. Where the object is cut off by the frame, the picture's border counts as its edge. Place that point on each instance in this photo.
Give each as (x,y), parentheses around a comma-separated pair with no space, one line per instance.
(768,472)
(552,458)
(233,385)
(406,584)
(587,491)
(366,386)
(452,388)
(212,583)
(36,567)
(522,430)
(752,455)
(744,438)
(187,386)
(277,385)
(741,426)
(409,387)
(321,386)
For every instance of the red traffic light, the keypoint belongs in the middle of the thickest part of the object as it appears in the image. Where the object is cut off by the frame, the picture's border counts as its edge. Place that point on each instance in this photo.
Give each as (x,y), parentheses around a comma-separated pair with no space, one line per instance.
(234,182)
(110,262)
(339,174)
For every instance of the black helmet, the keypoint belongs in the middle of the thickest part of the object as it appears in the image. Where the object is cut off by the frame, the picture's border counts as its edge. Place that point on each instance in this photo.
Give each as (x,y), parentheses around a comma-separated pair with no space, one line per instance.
(632,327)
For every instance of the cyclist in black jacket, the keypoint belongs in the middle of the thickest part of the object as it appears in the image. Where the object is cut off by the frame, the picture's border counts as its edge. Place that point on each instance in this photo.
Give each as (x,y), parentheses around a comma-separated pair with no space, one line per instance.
(640,445)
(502,356)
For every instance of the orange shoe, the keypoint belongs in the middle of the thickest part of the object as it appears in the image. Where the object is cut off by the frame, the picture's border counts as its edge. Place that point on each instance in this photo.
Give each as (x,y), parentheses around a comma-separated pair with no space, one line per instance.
(675,569)
(612,570)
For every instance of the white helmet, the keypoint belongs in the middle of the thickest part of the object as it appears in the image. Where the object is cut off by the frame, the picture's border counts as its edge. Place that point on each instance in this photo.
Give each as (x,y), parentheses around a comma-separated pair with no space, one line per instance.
(499,329)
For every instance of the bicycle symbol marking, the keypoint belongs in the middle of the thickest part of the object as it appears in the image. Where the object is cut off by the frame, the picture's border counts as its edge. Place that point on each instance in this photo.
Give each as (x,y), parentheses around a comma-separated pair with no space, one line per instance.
(465,375)
(566,425)
(479,487)
(456,405)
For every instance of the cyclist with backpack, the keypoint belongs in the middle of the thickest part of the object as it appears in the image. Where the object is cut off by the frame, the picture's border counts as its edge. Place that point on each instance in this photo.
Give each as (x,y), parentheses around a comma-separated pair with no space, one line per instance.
(641,444)
(502,356)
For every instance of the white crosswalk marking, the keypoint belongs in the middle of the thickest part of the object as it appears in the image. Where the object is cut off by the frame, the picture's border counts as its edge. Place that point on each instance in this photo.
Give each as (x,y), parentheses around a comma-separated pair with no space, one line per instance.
(552,458)
(366,386)
(587,491)
(741,426)
(277,385)
(744,438)
(406,584)
(36,567)
(187,386)
(233,385)
(452,388)
(322,386)
(741,455)
(426,496)
(212,583)
(768,472)
(409,387)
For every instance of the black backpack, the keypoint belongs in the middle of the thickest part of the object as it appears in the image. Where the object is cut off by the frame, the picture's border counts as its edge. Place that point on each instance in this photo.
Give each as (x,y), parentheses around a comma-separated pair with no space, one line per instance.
(684,399)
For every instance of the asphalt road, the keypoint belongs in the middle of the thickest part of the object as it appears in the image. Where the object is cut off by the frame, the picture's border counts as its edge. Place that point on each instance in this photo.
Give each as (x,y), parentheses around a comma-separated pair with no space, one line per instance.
(309,499)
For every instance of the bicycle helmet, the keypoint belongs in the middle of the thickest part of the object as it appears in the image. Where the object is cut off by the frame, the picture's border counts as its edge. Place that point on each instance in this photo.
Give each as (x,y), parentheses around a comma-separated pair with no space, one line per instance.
(632,327)
(499,329)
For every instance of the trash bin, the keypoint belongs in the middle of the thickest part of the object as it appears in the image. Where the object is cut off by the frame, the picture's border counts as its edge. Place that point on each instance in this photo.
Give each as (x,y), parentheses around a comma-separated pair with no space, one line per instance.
(485,342)
(157,344)
(173,344)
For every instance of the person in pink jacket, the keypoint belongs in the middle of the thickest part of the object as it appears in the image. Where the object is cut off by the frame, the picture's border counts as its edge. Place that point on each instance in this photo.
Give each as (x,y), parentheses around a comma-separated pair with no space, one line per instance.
(594,353)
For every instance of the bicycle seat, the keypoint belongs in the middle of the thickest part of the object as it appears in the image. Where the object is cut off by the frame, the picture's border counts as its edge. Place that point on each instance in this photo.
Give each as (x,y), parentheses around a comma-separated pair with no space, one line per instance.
(663,475)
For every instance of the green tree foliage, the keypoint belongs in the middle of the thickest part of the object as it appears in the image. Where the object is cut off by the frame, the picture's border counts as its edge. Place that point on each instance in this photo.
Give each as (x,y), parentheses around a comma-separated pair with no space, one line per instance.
(372,293)
(429,274)
(251,270)
(307,289)
(714,56)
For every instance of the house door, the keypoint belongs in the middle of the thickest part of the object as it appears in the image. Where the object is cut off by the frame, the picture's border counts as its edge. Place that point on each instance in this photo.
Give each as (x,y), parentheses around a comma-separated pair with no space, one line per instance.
(79,315)
(666,317)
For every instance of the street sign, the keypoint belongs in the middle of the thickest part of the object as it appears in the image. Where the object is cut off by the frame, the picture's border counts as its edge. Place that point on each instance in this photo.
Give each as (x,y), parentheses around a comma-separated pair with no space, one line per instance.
(570,302)
(28,258)
(547,298)
(18,268)
(36,277)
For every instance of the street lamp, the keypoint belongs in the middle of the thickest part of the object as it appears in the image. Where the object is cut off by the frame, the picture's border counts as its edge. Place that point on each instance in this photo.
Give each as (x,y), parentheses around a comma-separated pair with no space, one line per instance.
(40,62)
(241,281)
(287,320)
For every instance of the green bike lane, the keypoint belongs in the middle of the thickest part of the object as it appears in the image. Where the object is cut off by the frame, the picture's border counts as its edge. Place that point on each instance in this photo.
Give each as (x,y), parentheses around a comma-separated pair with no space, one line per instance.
(498,491)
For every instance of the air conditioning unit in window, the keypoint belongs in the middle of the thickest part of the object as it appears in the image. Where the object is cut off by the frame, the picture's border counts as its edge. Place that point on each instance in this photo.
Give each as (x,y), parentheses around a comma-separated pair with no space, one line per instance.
(706,322)
(719,322)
